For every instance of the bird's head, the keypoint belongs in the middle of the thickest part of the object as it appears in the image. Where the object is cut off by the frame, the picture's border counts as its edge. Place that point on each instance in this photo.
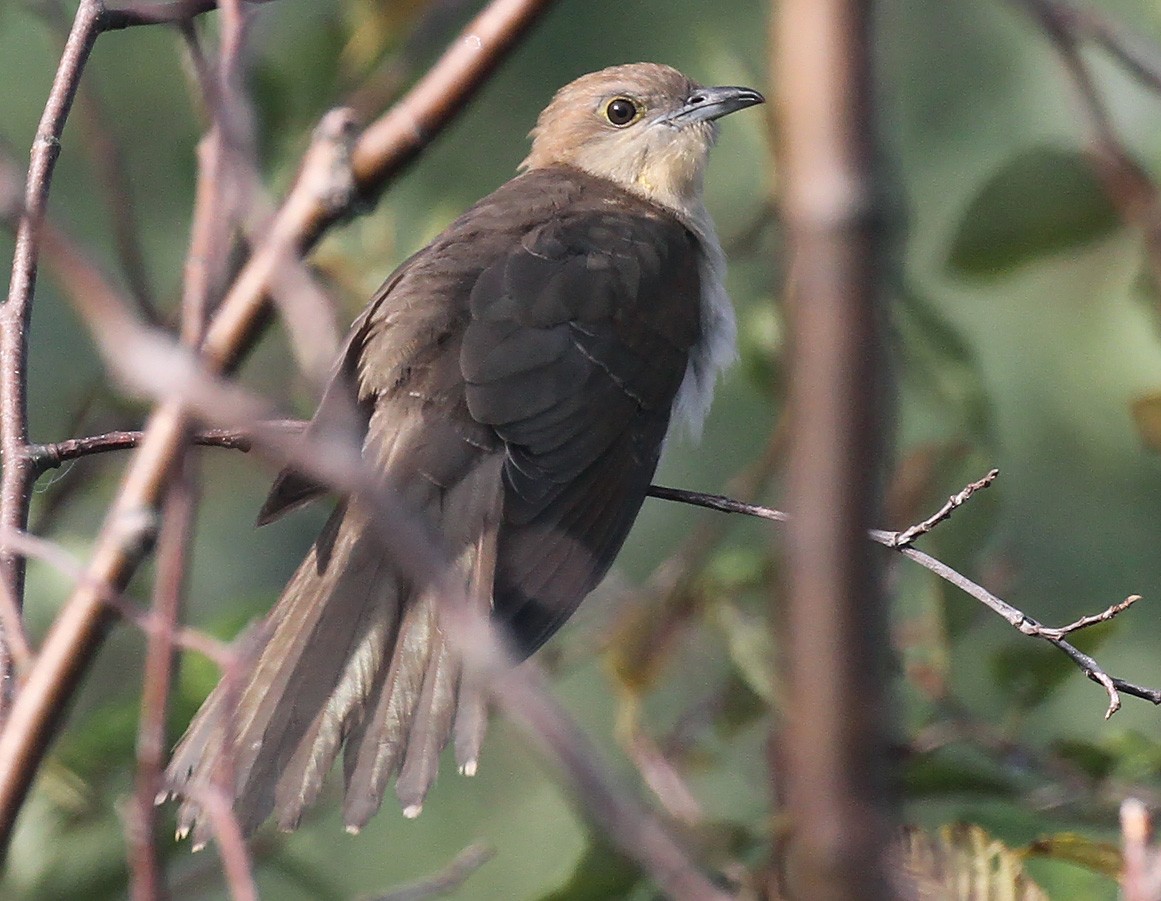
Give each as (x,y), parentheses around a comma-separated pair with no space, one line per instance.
(644,126)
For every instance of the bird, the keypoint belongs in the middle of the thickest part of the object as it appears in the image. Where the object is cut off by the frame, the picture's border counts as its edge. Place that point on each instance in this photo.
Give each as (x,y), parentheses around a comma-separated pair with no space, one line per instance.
(515,381)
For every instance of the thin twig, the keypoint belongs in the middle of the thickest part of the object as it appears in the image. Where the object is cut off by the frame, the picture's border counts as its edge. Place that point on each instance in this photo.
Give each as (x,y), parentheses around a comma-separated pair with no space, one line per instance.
(1128,186)
(452,877)
(221,152)
(17,644)
(51,456)
(187,638)
(908,536)
(1085,621)
(108,159)
(16,313)
(1139,57)
(147,878)
(1015,617)
(231,842)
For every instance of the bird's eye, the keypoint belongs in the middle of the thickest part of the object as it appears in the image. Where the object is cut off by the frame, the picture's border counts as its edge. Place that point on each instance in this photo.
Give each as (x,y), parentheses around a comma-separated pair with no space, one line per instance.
(622,111)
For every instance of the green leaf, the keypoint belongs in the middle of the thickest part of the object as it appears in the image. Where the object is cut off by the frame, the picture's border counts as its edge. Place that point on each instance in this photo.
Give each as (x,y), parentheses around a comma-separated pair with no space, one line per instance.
(601,872)
(1045,201)
(945,772)
(1099,857)
(751,649)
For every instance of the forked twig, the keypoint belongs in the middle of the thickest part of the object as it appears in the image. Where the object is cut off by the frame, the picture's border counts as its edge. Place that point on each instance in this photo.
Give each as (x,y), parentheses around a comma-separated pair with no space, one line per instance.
(901,542)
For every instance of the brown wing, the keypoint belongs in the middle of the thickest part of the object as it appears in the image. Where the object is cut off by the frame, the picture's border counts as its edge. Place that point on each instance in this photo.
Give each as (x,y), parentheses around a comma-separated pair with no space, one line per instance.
(578,343)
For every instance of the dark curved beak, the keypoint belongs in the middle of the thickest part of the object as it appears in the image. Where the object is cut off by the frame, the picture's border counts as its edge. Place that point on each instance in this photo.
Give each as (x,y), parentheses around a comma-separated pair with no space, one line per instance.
(707,104)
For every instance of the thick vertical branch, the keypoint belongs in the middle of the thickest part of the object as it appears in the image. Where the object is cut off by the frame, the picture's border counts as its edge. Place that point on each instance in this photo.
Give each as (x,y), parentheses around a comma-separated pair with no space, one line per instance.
(833,625)
(16,313)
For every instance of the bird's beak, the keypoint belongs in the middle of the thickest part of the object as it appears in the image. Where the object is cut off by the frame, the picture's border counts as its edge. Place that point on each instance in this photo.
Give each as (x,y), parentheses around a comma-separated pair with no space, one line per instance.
(707,104)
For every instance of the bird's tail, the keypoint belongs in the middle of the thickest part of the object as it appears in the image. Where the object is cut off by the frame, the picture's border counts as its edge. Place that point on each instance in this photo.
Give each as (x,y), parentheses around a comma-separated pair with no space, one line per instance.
(352,657)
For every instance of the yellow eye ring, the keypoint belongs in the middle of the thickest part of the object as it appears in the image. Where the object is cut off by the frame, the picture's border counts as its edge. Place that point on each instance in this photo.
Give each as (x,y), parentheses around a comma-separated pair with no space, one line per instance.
(622,111)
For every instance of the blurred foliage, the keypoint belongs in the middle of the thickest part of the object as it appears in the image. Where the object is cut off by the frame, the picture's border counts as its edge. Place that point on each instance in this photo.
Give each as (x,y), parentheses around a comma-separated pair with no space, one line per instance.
(962,863)
(1044,201)
(1025,335)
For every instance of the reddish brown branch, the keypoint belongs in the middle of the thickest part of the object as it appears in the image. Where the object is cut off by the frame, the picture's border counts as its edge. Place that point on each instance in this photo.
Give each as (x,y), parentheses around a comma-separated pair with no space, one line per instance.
(147,878)
(397,138)
(832,617)
(51,456)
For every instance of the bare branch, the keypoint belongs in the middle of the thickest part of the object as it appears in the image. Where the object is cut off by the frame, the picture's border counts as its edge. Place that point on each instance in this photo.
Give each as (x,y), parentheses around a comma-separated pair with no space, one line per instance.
(147,879)
(1015,617)
(231,842)
(17,644)
(51,456)
(108,160)
(1127,184)
(16,313)
(185,637)
(1085,621)
(396,139)
(908,536)
(457,872)
(1140,58)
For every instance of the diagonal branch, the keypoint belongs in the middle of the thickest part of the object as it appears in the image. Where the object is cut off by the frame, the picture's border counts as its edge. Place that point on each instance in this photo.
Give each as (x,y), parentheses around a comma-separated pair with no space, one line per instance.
(1017,618)
(1129,187)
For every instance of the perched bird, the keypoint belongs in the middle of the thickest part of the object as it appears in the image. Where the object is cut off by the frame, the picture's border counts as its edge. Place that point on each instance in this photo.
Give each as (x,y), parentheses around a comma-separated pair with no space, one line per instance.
(515,382)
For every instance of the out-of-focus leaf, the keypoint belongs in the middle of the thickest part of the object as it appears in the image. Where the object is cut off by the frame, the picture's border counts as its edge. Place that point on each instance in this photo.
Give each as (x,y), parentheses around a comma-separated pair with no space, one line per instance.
(1147,418)
(761,345)
(1029,672)
(600,873)
(1096,761)
(917,481)
(1044,201)
(945,773)
(963,863)
(1100,857)
(751,649)
(741,706)
(735,569)
(938,361)
(1138,756)
(920,633)
(103,743)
